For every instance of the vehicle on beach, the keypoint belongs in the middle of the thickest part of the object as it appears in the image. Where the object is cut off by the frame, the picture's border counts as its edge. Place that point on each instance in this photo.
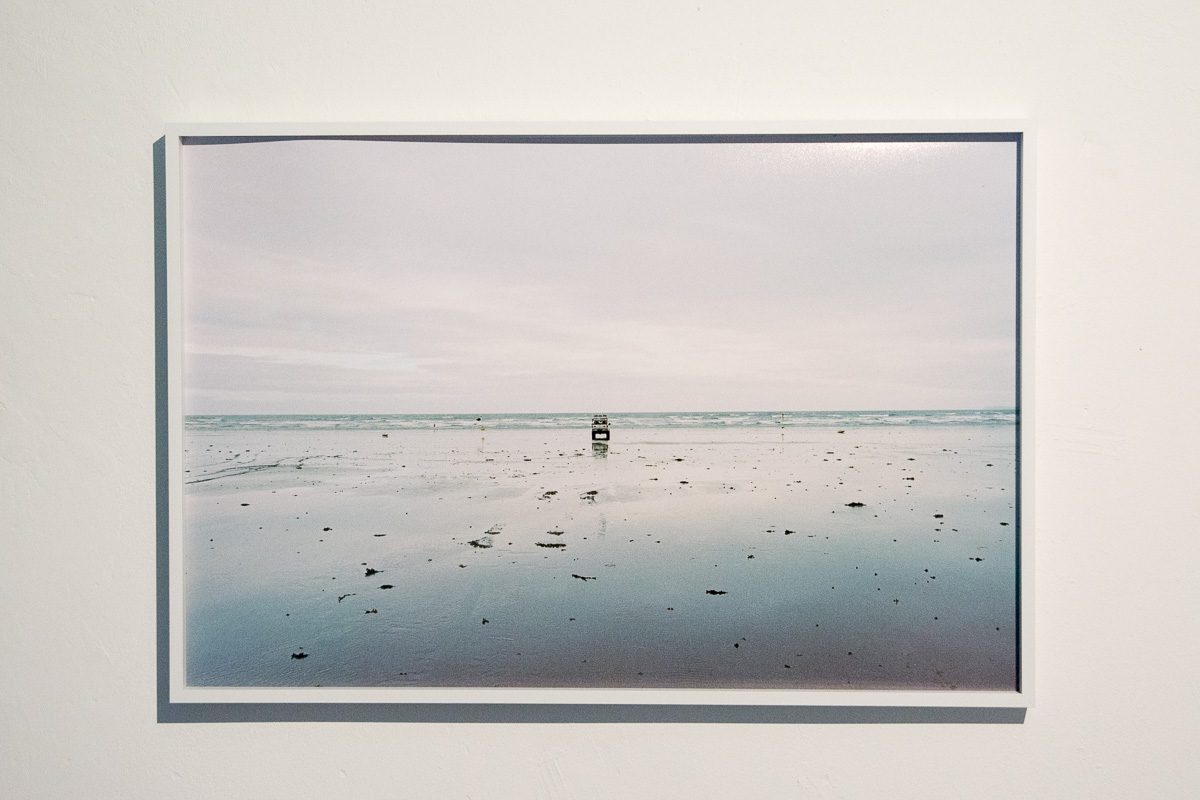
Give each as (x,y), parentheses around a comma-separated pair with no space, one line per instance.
(599,427)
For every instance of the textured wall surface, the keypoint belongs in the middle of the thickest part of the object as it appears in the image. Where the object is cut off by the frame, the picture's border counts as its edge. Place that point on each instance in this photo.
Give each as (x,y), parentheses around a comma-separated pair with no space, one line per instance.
(86,89)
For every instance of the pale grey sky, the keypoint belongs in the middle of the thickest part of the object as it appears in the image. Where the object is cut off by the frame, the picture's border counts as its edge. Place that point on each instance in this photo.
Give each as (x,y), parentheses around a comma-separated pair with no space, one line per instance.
(346,276)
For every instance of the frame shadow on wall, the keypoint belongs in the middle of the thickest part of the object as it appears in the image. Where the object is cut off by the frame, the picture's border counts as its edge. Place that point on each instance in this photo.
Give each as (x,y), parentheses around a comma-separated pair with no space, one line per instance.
(502,713)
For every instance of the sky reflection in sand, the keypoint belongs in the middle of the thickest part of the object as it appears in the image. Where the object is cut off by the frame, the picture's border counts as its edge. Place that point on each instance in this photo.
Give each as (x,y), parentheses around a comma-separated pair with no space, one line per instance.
(705,558)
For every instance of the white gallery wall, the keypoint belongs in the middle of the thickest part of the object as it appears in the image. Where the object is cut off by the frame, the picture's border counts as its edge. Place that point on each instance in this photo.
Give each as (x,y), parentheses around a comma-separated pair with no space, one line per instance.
(1112,88)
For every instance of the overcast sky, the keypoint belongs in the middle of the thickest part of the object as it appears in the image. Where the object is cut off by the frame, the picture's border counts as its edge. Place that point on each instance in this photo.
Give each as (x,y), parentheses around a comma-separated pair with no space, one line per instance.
(390,277)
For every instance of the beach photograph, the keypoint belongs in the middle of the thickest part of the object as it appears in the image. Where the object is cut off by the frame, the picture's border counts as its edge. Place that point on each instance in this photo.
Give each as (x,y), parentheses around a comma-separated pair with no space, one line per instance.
(612,412)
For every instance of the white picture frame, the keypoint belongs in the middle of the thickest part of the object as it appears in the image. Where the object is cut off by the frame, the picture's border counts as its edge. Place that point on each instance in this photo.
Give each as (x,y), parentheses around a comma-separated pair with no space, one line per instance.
(182,135)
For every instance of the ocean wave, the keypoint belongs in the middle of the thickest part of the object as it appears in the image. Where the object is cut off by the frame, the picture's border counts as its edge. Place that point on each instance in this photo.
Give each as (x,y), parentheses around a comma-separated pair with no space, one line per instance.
(644,420)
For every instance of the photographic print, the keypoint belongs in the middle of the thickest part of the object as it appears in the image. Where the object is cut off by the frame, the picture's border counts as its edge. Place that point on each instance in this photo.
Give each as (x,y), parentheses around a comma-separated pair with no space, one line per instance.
(614,412)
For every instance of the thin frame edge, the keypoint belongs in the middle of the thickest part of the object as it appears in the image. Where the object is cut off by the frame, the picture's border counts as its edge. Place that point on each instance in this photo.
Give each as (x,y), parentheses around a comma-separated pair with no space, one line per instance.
(1023,129)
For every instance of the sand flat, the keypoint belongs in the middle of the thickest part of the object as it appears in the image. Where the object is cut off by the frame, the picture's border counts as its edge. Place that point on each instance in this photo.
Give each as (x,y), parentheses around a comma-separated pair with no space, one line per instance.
(817,593)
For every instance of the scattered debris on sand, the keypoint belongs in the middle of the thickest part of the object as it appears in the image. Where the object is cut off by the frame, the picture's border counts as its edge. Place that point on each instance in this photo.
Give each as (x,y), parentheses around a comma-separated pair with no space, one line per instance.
(599,533)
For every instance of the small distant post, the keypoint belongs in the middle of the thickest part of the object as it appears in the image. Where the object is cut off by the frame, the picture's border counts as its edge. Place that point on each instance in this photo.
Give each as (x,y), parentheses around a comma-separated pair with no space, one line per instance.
(600,427)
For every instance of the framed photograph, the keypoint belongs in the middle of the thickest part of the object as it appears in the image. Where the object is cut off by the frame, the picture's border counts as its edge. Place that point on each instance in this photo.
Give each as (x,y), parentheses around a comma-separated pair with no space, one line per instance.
(664,414)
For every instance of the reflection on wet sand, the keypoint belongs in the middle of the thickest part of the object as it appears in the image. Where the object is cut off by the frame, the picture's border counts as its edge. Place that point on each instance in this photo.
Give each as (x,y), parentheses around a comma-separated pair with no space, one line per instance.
(859,558)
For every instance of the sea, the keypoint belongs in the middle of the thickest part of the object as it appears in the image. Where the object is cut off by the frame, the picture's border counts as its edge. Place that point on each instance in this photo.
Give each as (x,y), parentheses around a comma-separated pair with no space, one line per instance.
(622,421)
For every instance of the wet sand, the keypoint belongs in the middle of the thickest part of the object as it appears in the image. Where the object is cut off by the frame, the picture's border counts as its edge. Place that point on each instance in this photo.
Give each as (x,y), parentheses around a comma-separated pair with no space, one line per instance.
(681,557)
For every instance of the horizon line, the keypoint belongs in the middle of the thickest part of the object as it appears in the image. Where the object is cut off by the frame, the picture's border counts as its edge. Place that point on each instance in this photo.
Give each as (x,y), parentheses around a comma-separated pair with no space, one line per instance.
(1013,409)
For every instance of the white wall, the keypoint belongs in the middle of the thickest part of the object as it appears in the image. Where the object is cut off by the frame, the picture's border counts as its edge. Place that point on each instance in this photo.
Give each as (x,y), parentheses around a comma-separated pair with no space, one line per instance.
(85,89)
